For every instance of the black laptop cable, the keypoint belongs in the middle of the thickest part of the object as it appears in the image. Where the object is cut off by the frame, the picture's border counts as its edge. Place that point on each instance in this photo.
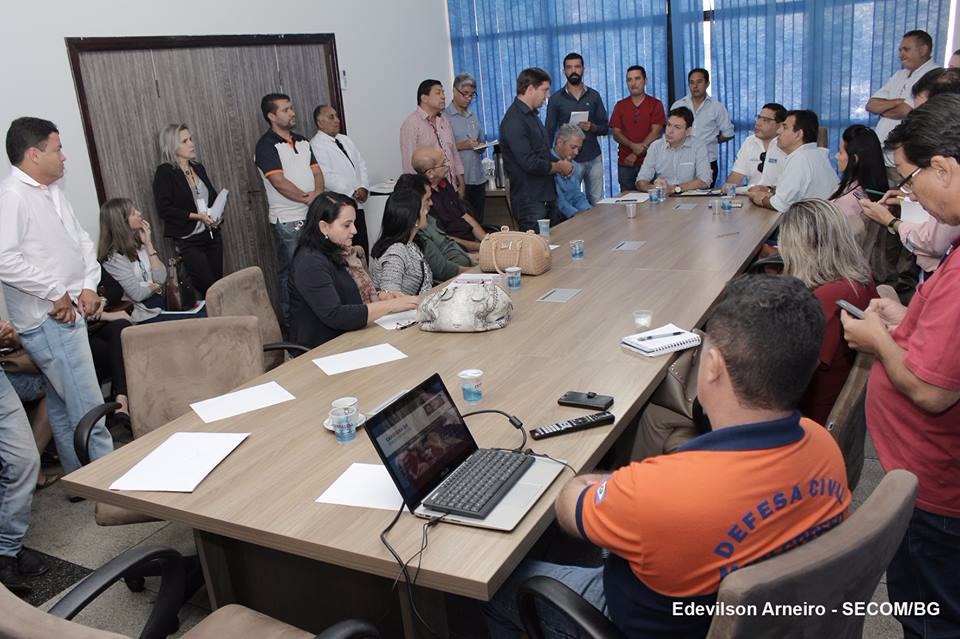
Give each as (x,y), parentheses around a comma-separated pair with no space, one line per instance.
(514,421)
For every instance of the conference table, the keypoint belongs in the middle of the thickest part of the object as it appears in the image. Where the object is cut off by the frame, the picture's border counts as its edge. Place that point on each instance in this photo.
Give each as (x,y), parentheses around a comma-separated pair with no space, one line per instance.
(265,542)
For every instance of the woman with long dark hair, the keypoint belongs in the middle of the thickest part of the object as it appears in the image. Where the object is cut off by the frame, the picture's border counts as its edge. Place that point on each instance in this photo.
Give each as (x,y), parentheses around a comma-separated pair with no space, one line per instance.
(325,299)
(860,162)
(398,262)
(183,194)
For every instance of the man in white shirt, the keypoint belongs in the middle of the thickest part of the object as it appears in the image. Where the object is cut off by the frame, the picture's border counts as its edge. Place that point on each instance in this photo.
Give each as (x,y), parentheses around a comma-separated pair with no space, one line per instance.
(760,158)
(894,100)
(344,170)
(49,270)
(677,161)
(711,122)
(806,171)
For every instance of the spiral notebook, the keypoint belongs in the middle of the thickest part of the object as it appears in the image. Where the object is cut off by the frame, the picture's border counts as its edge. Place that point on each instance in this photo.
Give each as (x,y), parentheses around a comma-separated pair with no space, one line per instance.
(665,339)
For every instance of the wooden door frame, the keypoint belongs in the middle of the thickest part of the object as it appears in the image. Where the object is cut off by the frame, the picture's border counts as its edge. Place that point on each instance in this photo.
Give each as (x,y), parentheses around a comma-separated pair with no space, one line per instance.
(78,46)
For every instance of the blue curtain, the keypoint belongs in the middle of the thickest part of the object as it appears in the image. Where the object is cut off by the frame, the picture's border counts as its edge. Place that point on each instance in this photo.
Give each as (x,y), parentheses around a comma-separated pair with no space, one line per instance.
(825,55)
(496,39)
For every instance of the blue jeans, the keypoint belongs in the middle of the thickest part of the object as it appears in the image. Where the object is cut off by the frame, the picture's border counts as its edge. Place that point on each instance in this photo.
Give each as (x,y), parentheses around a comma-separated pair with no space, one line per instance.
(62,353)
(19,464)
(593,179)
(285,236)
(627,177)
(927,568)
(503,616)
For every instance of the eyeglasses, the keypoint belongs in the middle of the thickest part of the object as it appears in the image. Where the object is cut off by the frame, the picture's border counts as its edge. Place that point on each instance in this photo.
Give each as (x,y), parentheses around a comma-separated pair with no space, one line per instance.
(467,96)
(766,119)
(906,184)
(763,159)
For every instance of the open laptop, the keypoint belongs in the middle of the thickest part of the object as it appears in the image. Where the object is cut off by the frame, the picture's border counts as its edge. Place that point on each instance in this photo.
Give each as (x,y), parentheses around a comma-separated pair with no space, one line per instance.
(422,438)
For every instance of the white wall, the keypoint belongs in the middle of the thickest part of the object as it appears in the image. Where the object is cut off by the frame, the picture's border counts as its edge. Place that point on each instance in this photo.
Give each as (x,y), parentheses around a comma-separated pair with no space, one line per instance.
(386,47)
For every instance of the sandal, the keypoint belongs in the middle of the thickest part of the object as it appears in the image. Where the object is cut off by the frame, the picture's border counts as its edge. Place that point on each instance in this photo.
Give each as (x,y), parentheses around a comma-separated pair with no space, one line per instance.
(48,480)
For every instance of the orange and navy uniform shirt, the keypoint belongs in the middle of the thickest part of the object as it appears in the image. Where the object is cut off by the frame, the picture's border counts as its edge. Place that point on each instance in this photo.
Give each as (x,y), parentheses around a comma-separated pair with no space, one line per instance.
(677,524)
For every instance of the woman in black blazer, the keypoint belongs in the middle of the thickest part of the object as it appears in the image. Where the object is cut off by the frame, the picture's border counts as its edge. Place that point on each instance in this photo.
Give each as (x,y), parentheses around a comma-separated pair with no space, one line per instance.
(183,194)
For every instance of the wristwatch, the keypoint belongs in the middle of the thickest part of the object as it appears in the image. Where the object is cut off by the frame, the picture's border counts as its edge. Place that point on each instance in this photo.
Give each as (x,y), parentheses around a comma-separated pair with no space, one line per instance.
(677,189)
(892,226)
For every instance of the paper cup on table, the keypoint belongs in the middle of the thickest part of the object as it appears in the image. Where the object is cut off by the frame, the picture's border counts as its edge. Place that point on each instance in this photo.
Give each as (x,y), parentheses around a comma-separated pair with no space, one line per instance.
(631,210)
(471,384)
(642,320)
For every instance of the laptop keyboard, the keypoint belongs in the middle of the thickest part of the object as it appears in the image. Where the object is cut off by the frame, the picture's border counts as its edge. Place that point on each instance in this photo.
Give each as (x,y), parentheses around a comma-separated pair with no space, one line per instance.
(479,483)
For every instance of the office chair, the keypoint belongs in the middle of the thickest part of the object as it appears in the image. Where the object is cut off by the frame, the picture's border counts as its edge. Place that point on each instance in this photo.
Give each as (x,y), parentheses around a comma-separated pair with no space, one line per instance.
(20,620)
(245,293)
(841,565)
(170,365)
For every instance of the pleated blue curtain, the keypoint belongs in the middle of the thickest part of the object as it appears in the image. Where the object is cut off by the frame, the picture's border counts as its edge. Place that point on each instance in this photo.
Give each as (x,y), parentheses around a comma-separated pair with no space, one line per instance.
(495,39)
(825,55)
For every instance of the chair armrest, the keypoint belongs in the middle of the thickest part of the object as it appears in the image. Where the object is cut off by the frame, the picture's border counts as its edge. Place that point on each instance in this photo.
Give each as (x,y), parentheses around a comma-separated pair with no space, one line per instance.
(350,629)
(577,609)
(81,436)
(290,347)
(163,618)
(771,260)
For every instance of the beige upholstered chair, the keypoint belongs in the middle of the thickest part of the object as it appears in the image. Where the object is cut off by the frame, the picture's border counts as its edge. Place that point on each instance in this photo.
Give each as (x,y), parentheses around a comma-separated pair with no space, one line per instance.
(843,564)
(245,293)
(20,620)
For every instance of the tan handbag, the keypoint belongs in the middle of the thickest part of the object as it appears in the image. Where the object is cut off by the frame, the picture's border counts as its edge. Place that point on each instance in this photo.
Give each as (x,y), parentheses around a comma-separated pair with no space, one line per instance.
(506,248)
(679,388)
(17,361)
(465,308)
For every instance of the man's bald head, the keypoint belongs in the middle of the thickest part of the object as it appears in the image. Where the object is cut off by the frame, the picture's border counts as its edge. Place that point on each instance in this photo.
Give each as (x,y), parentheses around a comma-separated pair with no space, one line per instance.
(425,159)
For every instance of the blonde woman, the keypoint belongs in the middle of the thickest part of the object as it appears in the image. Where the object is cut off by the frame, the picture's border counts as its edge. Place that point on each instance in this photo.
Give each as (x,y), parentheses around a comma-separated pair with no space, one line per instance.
(819,249)
(183,194)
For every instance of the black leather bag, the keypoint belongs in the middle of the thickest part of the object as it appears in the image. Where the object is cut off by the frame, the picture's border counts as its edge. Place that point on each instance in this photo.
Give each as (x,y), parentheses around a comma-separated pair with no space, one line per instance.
(178,294)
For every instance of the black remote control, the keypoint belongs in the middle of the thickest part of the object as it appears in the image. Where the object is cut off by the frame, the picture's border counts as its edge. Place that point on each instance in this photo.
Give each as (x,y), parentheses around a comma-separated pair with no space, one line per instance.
(571,425)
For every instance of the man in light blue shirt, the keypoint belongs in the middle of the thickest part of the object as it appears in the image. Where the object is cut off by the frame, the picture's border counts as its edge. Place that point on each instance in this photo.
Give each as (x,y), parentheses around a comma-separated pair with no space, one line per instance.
(468,133)
(677,161)
(711,123)
(570,198)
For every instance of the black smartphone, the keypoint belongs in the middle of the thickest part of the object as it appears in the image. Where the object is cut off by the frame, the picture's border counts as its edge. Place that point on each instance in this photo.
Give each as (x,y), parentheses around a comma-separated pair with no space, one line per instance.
(586,400)
(850,308)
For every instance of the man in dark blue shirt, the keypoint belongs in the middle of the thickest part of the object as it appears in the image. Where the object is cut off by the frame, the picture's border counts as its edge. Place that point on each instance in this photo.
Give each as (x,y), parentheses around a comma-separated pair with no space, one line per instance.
(526,153)
(591,116)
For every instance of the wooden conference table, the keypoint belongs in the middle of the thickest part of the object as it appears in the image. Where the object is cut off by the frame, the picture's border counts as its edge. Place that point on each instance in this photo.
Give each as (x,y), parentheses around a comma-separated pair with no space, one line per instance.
(266,543)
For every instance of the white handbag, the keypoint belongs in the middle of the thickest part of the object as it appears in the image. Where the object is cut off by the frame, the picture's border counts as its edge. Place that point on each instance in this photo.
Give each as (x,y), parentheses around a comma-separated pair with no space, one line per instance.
(465,307)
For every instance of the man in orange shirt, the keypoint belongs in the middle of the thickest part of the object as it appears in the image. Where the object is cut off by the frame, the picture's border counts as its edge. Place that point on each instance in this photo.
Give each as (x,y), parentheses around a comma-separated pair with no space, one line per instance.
(763,481)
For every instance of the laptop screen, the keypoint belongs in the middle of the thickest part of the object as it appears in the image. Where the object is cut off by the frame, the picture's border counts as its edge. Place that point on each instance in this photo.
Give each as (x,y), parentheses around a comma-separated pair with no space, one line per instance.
(421,438)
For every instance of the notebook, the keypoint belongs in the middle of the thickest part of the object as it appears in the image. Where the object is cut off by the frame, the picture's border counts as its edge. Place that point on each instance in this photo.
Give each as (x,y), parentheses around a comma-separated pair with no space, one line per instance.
(673,339)
(422,438)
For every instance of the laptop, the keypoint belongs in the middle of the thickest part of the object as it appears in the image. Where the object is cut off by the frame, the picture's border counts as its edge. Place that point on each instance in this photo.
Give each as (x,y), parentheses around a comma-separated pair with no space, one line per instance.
(422,438)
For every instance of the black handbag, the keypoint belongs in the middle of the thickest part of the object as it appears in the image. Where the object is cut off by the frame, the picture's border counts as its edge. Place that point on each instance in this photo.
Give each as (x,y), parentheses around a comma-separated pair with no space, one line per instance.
(178,294)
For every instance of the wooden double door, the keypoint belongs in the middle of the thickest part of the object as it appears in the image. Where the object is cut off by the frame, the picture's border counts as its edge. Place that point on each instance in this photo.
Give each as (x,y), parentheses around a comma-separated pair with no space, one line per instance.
(131,88)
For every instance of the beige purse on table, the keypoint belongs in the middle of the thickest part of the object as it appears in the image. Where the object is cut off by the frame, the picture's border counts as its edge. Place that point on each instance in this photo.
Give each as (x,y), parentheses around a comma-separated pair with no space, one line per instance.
(506,248)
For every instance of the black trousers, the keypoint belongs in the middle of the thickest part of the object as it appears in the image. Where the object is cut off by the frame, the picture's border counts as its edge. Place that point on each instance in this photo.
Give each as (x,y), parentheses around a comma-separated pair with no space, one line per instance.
(476,197)
(108,355)
(715,168)
(202,258)
(361,238)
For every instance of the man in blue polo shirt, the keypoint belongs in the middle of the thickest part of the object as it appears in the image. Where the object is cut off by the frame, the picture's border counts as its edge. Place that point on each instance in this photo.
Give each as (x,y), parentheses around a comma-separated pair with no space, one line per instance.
(292,179)
(578,104)
(776,479)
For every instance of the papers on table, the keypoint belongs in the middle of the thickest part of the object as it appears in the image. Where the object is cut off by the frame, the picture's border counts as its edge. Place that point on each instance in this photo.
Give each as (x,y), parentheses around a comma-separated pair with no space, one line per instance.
(363,486)
(190,311)
(553,246)
(684,207)
(576,117)
(911,211)
(470,278)
(559,295)
(216,211)
(626,197)
(662,340)
(241,401)
(179,464)
(485,145)
(628,246)
(359,358)
(393,321)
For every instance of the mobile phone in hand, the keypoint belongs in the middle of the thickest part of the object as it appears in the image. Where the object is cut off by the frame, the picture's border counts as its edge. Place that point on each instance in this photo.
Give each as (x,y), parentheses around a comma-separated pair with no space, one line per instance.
(850,308)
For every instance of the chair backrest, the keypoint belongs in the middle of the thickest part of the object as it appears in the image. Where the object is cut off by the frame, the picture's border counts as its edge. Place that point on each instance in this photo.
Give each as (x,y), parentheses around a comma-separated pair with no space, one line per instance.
(847,421)
(843,564)
(20,620)
(169,365)
(245,293)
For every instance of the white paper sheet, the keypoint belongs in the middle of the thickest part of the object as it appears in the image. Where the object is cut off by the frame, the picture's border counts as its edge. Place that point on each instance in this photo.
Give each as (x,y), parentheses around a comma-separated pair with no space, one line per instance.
(576,117)
(553,247)
(626,197)
(216,211)
(179,464)
(478,277)
(193,311)
(685,206)
(911,211)
(241,401)
(393,321)
(363,486)
(360,358)
(628,245)
(484,145)
(558,295)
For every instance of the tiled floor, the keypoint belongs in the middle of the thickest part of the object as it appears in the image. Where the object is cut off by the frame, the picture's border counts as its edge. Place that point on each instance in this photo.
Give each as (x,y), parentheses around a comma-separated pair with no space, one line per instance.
(67,532)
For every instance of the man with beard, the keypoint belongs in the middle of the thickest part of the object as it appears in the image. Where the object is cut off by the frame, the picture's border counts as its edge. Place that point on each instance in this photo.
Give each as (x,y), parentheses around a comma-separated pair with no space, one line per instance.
(576,97)
(711,122)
